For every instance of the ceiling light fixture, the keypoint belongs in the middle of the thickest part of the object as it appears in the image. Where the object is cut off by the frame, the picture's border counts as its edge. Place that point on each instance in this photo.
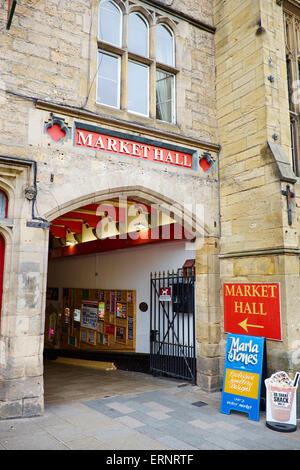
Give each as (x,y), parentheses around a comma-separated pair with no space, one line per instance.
(69,243)
(140,226)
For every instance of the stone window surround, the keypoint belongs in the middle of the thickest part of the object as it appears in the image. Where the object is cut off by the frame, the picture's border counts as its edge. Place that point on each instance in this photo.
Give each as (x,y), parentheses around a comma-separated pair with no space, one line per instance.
(15,175)
(149,61)
(291,14)
(3,199)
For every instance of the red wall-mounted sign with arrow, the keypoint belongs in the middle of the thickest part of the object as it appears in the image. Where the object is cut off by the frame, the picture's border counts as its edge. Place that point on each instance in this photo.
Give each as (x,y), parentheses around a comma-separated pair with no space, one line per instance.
(253,309)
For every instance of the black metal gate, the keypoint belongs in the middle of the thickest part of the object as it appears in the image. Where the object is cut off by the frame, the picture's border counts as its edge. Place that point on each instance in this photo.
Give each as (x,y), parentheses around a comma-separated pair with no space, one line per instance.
(172,326)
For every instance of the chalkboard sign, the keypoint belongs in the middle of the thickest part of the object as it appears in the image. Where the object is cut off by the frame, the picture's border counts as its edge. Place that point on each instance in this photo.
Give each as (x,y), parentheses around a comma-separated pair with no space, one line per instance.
(89,315)
(130,327)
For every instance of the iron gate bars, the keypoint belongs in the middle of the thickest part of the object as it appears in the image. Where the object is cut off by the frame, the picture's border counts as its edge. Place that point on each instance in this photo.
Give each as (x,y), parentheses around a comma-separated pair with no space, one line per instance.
(172,326)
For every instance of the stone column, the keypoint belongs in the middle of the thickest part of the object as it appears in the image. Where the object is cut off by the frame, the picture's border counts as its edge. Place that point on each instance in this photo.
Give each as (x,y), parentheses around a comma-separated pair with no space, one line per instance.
(208,332)
(22,317)
(258,244)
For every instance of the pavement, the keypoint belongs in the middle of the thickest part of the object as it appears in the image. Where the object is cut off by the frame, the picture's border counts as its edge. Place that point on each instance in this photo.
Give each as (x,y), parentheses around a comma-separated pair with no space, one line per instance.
(150,413)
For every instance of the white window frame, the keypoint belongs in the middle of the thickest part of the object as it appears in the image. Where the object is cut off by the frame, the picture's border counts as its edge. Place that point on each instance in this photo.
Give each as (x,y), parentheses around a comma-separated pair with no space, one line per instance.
(173,42)
(144,19)
(173,119)
(170,70)
(125,56)
(148,88)
(121,23)
(119,79)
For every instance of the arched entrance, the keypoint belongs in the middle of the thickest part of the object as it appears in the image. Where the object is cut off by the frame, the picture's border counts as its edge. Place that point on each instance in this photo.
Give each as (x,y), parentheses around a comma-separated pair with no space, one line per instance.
(103,249)
(30,277)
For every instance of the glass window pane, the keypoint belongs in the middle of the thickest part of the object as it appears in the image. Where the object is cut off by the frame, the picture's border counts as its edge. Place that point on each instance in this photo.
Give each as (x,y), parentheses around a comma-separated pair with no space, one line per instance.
(164,45)
(164,96)
(289,77)
(110,23)
(294,147)
(3,203)
(108,91)
(138,77)
(137,35)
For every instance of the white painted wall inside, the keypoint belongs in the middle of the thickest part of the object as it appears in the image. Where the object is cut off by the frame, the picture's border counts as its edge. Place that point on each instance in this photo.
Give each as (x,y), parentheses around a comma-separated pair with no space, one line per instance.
(121,269)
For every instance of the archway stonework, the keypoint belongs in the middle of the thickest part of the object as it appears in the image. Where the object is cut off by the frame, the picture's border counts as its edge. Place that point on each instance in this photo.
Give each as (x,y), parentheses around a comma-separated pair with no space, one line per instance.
(148,196)
(22,341)
(208,332)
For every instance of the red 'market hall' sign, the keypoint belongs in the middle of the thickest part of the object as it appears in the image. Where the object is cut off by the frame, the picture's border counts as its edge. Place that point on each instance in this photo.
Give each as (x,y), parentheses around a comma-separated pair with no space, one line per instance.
(252,309)
(136,147)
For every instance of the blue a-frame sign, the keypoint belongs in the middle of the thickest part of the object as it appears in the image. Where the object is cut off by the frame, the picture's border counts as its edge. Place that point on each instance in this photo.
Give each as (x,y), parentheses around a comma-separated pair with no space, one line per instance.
(243,375)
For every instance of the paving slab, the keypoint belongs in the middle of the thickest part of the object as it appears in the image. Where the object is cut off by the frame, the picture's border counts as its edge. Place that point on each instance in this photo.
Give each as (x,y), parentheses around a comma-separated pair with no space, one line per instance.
(40,441)
(135,411)
(175,444)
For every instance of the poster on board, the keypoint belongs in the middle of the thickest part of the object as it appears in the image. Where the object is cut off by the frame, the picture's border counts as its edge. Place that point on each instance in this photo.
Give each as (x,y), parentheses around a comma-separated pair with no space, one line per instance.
(101,310)
(76,314)
(89,315)
(130,328)
(242,375)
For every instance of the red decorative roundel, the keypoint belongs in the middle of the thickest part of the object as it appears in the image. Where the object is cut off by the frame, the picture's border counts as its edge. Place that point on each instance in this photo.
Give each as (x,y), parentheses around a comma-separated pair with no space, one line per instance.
(56,132)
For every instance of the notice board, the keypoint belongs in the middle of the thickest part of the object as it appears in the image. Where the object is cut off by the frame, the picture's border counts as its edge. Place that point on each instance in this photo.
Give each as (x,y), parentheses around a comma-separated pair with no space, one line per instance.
(99,319)
(243,375)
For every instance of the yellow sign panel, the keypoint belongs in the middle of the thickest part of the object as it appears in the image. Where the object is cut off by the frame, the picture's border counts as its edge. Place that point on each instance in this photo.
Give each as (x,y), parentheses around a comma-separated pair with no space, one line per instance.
(241,383)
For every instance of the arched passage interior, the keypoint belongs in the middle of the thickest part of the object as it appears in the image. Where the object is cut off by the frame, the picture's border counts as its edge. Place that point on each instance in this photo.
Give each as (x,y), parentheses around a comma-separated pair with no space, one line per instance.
(101,256)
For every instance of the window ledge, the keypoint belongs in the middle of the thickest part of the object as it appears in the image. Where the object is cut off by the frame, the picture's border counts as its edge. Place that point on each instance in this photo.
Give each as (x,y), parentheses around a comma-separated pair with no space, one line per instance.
(140,58)
(105,46)
(167,68)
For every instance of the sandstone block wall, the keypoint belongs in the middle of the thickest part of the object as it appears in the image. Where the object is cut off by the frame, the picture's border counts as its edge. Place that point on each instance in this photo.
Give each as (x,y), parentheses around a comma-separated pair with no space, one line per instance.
(257,244)
(48,63)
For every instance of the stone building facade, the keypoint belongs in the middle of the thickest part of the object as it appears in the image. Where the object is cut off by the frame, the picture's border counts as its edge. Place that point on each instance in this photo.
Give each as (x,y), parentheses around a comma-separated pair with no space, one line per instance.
(258,241)
(229,111)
